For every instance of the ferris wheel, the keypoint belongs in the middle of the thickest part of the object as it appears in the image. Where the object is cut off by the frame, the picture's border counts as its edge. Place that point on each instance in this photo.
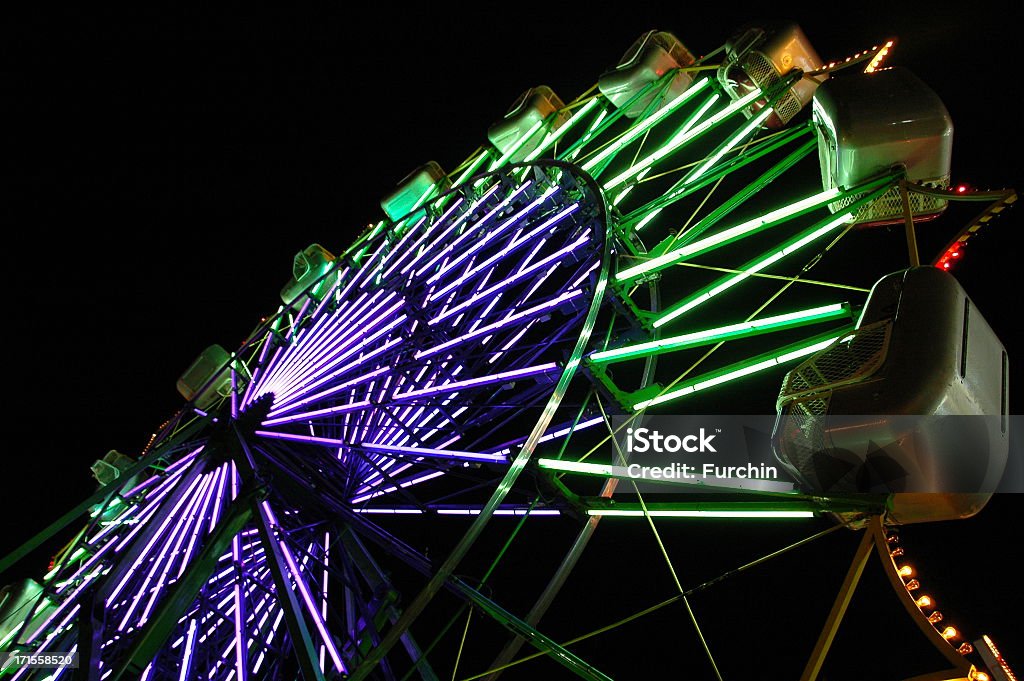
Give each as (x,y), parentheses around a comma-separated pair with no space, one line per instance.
(689,233)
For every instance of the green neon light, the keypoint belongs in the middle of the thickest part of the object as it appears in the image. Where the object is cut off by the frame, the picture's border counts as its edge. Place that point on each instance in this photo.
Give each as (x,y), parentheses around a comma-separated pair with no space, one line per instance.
(728,145)
(699,514)
(520,143)
(6,639)
(78,553)
(683,138)
(114,503)
(685,128)
(731,234)
(577,148)
(553,137)
(746,368)
(752,189)
(698,114)
(724,284)
(723,333)
(471,169)
(602,469)
(647,124)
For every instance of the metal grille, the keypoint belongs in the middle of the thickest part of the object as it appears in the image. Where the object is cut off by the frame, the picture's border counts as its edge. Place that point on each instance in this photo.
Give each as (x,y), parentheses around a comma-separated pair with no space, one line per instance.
(764,74)
(801,435)
(889,207)
(852,359)
(761,70)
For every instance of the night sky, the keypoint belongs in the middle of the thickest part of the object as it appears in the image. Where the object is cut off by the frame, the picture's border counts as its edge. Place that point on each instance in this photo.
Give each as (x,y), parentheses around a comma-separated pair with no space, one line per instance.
(160,182)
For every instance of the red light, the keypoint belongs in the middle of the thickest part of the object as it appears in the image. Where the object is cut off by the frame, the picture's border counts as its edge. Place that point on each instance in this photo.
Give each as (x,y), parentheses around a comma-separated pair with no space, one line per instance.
(945,265)
(961,188)
(956,254)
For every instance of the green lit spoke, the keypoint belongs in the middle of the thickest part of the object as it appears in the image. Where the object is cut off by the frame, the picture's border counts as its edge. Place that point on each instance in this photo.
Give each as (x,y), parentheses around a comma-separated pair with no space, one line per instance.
(794,244)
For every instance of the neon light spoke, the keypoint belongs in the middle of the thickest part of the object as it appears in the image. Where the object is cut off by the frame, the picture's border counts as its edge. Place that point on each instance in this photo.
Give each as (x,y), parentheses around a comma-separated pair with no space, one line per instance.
(552,137)
(483,331)
(501,377)
(508,282)
(729,145)
(645,125)
(723,333)
(438,453)
(806,237)
(682,139)
(746,368)
(509,249)
(476,227)
(490,236)
(626,513)
(394,488)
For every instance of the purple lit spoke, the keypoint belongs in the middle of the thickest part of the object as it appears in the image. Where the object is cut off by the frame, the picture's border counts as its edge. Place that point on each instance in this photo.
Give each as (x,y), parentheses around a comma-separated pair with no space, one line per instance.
(435,453)
(304,590)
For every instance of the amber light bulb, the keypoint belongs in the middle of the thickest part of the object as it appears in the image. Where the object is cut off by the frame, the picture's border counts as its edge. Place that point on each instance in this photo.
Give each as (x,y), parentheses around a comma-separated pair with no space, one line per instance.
(924,602)
(949,632)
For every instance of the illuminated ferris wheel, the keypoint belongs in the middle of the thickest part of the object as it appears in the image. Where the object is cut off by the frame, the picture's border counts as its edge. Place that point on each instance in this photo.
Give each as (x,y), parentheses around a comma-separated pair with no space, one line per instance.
(659,245)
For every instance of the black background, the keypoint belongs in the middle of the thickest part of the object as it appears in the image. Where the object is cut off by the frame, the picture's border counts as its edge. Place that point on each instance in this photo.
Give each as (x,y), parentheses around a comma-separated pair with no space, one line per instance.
(159,178)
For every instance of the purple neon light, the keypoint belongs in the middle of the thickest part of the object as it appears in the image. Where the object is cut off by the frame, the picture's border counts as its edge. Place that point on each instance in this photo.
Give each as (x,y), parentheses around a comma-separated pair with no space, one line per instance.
(162,559)
(84,568)
(515,244)
(147,513)
(413,248)
(291,398)
(500,511)
(408,483)
(500,377)
(341,348)
(217,499)
(298,386)
(460,511)
(311,439)
(486,330)
(435,453)
(331,411)
(329,293)
(186,658)
(182,461)
(304,591)
(491,235)
(453,226)
(172,515)
(236,551)
(257,387)
(506,283)
(551,435)
(472,229)
(331,329)
(341,334)
(214,486)
(193,524)
(397,247)
(301,313)
(323,601)
(270,639)
(512,341)
(284,408)
(160,491)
